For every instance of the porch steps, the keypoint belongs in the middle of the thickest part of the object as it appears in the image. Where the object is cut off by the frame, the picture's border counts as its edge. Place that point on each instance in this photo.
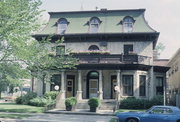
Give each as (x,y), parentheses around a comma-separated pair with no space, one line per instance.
(82,104)
(105,104)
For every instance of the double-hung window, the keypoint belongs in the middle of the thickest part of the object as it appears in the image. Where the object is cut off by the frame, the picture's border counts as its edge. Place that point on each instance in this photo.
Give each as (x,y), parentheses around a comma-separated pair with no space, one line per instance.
(94,25)
(128,23)
(127,85)
(142,85)
(62,26)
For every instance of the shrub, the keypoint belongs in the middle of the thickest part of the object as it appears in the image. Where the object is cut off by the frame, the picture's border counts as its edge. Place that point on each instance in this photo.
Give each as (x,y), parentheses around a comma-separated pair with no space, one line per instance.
(26,98)
(19,100)
(133,103)
(94,102)
(71,101)
(157,100)
(51,94)
(41,102)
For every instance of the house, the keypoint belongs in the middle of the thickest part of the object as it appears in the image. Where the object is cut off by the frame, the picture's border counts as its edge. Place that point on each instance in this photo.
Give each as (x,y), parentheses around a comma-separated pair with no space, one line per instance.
(174,79)
(114,48)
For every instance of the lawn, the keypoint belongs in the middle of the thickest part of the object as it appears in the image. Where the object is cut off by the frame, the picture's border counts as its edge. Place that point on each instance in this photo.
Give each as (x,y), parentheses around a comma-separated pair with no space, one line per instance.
(13,107)
(14,116)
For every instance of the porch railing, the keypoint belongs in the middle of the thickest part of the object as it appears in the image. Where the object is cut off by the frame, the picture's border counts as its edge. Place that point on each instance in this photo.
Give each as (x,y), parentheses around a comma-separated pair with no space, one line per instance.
(112,59)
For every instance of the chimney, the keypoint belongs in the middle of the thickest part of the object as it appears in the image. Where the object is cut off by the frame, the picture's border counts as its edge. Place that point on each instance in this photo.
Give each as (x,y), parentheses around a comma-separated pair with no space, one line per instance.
(103,9)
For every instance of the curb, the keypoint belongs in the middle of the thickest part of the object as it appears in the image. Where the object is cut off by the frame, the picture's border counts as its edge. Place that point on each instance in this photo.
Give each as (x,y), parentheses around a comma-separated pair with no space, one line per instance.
(80,113)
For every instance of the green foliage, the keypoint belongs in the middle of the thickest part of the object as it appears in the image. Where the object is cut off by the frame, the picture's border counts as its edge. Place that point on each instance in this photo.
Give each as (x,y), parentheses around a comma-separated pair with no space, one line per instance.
(19,18)
(133,103)
(13,107)
(51,94)
(41,102)
(26,98)
(157,100)
(71,101)
(94,102)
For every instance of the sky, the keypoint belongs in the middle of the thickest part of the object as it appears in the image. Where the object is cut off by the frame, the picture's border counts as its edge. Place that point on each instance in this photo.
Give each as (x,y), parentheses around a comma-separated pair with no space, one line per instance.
(161,15)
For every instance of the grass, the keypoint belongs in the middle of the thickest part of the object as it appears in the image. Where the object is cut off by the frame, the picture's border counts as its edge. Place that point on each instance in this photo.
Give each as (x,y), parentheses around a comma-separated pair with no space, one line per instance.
(13,107)
(14,116)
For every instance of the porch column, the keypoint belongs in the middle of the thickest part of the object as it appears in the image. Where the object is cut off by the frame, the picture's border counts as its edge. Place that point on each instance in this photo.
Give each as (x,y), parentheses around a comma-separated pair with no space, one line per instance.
(62,85)
(119,85)
(79,92)
(151,84)
(100,85)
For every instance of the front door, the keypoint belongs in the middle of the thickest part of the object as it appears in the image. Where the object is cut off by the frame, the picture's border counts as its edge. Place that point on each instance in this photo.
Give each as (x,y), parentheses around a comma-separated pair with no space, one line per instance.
(70,86)
(113,84)
(93,88)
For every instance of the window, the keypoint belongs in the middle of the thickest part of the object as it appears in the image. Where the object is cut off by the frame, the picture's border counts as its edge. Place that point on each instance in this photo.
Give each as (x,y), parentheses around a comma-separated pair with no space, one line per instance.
(142,85)
(127,85)
(60,50)
(55,81)
(159,85)
(162,110)
(93,47)
(128,23)
(128,49)
(62,26)
(94,25)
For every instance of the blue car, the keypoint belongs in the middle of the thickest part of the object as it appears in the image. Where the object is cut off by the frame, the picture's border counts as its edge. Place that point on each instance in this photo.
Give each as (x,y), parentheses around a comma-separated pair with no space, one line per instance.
(154,114)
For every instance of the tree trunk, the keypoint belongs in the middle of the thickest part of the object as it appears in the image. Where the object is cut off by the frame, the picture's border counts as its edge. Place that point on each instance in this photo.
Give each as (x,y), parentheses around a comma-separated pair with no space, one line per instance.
(0,94)
(44,85)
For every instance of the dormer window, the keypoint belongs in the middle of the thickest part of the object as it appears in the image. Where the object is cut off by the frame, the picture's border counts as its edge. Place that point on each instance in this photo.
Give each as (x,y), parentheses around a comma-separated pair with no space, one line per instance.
(94,25)
(62,26)
(128,23)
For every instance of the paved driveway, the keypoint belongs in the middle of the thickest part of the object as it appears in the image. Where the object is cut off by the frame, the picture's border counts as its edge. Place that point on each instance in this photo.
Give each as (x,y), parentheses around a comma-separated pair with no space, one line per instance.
(66,118)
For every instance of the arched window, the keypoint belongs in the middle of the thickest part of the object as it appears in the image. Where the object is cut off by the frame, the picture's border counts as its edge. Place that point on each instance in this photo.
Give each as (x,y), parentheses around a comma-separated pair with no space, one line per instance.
(62,26)
(128,23)
(93,47)
(94,25)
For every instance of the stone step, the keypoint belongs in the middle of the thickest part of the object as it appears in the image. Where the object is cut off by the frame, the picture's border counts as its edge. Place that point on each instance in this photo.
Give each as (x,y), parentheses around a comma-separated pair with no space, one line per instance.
(82,104)
(107,105)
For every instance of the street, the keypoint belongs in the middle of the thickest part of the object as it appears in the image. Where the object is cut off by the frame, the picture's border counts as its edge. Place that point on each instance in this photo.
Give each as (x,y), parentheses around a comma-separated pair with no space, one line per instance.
(63,118)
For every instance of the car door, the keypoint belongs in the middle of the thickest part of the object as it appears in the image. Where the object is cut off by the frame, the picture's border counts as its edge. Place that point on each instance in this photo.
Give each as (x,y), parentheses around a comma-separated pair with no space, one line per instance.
(158,114)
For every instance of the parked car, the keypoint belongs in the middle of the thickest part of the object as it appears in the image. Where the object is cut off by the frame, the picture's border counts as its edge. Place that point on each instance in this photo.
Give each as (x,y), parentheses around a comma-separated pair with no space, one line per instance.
(154,114)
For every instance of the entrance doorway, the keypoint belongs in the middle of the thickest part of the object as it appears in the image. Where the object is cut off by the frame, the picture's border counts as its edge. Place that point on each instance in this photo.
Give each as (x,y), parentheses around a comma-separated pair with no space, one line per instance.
(113,84)
(93,88)
(70,86)
(92,84)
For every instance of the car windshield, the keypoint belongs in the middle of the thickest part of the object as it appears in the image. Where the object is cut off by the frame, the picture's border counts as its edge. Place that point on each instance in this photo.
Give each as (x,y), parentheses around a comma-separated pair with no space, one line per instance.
(148,109)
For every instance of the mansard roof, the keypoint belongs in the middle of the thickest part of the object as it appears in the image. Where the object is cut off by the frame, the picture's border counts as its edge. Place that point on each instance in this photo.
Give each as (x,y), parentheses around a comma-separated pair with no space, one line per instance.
(110,21)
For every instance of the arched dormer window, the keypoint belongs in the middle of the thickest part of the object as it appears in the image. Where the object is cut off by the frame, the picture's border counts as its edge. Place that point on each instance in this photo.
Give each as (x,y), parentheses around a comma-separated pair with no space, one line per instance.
(128,23)
(62,26)
(94,25)
(93,47)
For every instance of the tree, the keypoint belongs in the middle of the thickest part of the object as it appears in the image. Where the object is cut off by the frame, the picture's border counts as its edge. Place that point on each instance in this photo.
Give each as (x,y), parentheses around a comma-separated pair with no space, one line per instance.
(18,19)
(10,74)
(159,48)
(18,50)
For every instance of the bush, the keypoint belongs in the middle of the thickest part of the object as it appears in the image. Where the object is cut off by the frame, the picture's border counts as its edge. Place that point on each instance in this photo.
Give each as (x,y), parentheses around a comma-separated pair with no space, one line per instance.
(41,102)
(157,100)
(133,103)
(71,101)
(19,100)
(51,94)
(26,98)
(94,102)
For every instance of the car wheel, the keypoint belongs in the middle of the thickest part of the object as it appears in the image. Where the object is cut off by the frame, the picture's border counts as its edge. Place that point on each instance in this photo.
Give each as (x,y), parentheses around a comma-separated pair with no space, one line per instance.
(132,120)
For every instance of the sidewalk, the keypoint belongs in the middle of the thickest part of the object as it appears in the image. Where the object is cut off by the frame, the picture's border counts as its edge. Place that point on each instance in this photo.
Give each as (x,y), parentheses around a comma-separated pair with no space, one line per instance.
(82,112)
